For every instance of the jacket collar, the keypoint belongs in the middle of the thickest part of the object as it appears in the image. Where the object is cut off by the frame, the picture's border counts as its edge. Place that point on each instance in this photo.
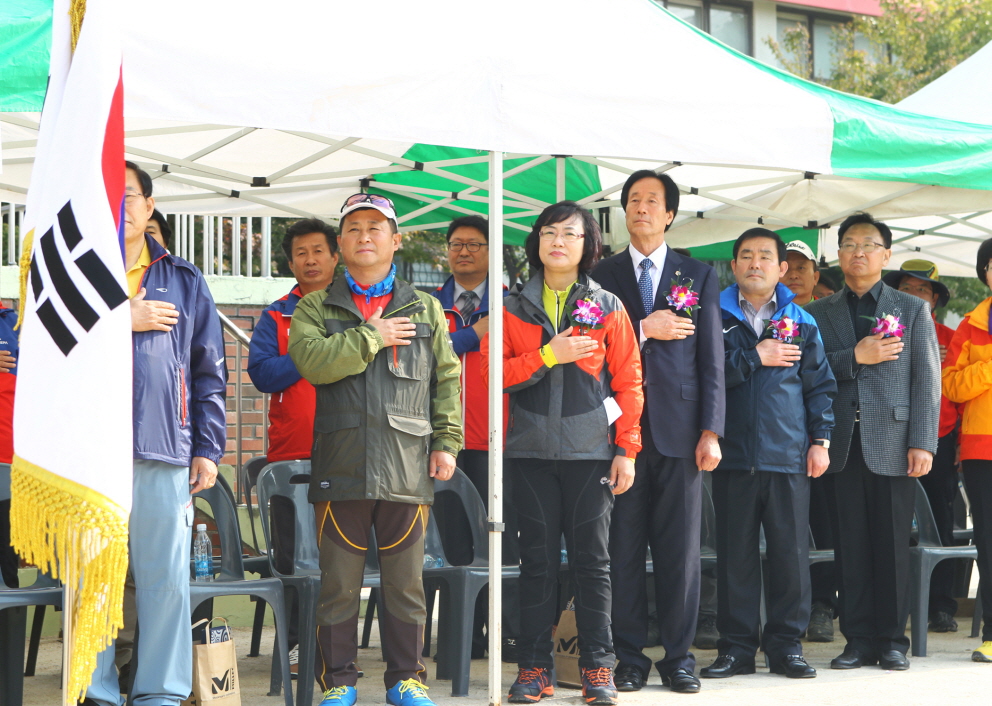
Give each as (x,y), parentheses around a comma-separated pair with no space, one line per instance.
(157,253)
(531,294)
(979,317)
(446,295)
(339,294)
(730,299)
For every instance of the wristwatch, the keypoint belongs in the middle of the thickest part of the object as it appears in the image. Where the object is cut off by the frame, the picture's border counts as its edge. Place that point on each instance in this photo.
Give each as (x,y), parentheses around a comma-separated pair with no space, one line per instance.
(825,443)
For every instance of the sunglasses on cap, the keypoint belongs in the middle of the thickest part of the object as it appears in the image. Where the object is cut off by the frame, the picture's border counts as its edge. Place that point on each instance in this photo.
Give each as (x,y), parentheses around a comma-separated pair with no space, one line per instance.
(374,199)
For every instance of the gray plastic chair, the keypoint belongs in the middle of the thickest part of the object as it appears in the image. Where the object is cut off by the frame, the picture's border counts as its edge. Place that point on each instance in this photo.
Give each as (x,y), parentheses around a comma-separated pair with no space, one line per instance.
(14,602)
(231,580)
(922,559)
(290,480)
(255,564)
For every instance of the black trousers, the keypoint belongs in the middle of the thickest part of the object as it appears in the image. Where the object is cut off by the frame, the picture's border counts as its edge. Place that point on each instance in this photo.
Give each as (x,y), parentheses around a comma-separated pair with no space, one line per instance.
(457,539)
(662,509)
(556,498)
(9,560)
(875,515)
(822,518)
(745,502)
(941,484)
(978,483)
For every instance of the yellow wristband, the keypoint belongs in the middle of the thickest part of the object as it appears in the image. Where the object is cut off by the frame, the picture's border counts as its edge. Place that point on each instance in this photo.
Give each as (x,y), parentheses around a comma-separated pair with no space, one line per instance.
(548,356)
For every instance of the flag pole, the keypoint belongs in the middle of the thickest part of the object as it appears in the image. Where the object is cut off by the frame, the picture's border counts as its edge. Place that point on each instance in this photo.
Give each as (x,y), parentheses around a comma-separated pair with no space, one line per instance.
(68,613)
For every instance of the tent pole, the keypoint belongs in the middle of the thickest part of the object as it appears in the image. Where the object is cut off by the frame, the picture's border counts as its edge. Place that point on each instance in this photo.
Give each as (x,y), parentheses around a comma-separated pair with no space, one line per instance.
(495,427)
(559,179)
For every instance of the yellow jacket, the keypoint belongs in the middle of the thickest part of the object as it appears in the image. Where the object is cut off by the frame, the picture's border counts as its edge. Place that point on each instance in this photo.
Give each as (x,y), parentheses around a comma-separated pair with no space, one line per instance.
(968,379)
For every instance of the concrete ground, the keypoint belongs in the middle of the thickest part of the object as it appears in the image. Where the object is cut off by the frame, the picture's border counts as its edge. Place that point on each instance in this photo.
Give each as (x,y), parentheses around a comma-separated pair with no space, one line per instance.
(946,676)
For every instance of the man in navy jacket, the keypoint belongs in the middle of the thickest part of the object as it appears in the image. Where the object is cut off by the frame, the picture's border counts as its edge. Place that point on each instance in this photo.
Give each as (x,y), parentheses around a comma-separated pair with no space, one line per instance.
(779,394)
(682,360)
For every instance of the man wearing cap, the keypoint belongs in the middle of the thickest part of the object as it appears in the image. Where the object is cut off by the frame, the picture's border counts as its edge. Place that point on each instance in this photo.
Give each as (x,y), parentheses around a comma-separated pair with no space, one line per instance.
(801,278)
(802,275)
(921,279)
(387,422)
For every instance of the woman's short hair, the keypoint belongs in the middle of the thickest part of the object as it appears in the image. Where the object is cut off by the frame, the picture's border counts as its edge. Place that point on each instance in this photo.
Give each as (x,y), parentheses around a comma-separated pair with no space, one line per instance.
(984,255)
(592,243)
(163,227)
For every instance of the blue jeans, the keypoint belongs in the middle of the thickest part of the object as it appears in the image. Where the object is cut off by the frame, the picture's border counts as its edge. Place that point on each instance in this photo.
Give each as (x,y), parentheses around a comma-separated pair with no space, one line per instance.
(160,535)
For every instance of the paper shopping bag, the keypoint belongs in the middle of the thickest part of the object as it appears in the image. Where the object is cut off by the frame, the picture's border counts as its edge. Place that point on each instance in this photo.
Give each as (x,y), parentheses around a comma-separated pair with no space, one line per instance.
(215,668)
(567,649)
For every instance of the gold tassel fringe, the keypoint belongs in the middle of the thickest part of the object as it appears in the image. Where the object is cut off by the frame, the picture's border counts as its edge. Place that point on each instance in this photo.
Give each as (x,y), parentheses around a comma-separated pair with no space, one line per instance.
(74,532)
(24,270)
(76,11)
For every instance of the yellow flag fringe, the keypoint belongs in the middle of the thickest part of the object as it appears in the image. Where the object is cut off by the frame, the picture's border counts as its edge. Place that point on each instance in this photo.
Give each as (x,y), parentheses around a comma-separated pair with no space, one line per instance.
(77,534)
(76,11)
(24,266)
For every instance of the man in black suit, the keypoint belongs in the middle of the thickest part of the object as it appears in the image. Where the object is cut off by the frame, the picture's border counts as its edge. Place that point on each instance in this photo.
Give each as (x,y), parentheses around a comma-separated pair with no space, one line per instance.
(684,402)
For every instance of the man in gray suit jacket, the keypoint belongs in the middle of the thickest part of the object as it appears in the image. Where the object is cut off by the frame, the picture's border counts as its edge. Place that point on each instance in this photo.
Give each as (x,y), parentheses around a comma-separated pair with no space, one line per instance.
(887,408)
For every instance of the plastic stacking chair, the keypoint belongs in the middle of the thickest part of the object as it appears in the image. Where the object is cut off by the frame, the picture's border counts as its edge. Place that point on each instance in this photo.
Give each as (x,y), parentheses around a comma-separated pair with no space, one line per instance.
(249,479)
(460,585)
(45,591)
(922,559)
(231,580)
(290,480)
(254,564)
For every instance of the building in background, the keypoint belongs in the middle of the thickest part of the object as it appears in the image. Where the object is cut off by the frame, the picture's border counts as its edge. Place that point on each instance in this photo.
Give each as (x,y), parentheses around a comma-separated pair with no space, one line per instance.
(745,25)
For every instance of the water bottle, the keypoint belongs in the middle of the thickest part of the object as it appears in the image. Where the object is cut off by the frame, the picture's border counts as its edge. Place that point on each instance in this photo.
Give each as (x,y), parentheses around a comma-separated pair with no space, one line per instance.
(203,555)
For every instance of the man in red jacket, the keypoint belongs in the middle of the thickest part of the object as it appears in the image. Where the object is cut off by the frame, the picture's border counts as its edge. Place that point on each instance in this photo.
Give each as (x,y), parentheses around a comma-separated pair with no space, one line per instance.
(311,246)
(920,278)
(465,297)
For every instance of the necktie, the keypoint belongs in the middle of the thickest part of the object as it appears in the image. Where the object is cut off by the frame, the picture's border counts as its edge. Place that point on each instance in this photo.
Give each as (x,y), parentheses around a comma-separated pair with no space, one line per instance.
(644,284)
(467,308)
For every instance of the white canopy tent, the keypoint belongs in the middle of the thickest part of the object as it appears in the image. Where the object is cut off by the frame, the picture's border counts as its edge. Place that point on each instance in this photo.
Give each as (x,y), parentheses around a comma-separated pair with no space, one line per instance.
(246,109)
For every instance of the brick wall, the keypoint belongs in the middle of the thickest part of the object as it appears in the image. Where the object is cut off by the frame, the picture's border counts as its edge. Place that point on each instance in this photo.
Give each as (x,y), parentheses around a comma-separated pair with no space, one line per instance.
(252,416)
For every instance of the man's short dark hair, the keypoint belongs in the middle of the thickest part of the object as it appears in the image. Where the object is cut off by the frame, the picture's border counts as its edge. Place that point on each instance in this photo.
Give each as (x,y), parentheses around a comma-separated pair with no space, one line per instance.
(477,222)
(306,227)
(592,243)
(671,190)
(394,227)
(143,178)
(984,255)
(752,233)
(827,279)
(868,220)
(163,227)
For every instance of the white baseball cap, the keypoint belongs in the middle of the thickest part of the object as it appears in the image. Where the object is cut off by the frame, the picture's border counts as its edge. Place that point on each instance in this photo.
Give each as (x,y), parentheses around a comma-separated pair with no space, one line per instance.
(379,203)
(801,248)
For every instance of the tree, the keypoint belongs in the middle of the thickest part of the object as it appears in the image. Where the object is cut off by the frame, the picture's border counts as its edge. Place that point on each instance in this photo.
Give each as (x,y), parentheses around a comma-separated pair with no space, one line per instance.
(892,56)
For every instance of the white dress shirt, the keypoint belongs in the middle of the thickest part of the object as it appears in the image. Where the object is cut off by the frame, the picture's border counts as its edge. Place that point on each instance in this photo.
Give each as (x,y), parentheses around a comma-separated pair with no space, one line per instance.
(657,265)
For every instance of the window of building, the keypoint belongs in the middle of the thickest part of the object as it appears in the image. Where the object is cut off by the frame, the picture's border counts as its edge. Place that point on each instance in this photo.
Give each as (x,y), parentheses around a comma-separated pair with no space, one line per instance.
(730,22)
(822,40)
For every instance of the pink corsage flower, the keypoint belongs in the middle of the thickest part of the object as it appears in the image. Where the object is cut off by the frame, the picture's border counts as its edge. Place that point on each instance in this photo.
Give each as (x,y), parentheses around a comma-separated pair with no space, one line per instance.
(682,298)
(784,329)
(887,324)
(587,315)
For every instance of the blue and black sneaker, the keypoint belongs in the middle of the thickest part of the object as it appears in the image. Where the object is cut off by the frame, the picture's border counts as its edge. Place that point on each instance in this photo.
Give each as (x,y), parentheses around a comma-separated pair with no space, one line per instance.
(408,692)
(340,696)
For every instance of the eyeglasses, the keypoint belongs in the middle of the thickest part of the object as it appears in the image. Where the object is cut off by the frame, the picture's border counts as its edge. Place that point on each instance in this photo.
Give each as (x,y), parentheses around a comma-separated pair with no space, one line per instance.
(867,247)
(471,247)
(374,199)
(130,195)
(551,235)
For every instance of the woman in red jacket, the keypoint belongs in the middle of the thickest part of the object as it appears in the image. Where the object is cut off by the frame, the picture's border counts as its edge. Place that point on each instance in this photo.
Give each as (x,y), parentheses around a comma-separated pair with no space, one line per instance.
(968,379)
(571,364)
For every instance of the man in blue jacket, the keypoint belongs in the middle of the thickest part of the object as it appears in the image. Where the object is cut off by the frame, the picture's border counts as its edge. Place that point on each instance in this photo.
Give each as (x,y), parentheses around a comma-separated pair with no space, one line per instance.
(779,394)
(179,437)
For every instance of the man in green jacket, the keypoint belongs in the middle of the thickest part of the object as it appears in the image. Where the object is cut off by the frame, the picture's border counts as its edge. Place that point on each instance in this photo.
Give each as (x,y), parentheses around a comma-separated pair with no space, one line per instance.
(388,421)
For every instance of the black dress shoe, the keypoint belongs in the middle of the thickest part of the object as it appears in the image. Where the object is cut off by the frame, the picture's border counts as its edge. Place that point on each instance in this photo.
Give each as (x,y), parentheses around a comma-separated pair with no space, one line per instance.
(792,666)
(852,658)
(727,666)
(628,677)
(894,660)
(682,681)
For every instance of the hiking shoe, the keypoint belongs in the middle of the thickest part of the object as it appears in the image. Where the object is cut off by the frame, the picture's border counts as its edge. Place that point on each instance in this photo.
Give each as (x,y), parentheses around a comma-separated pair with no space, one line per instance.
(294,663)
(943,622)
(598,686)
(821,623)
(531,685)
(983,653)
(706,633)
(408,692)
(340,696)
